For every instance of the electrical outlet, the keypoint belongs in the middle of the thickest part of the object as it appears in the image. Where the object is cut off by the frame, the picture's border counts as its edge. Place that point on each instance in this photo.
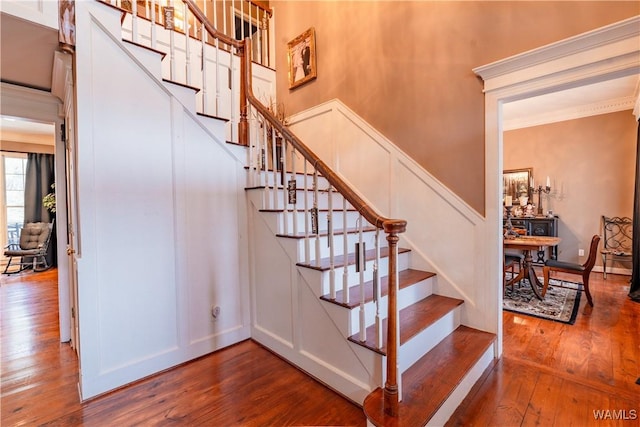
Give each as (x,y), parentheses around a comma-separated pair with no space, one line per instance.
(215,312)
(580,252)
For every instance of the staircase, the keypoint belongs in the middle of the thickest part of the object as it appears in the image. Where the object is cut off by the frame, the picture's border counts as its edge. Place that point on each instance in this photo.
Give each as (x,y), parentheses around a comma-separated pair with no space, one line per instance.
(321,275)
(439,359)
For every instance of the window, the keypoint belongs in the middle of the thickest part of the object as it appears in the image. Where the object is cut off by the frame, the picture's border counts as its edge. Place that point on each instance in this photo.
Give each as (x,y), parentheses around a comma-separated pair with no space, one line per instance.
(15,168)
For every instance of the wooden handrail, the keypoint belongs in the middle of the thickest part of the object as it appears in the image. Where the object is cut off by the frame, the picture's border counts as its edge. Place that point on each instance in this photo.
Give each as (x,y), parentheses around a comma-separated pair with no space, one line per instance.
(191,4)
(387,224)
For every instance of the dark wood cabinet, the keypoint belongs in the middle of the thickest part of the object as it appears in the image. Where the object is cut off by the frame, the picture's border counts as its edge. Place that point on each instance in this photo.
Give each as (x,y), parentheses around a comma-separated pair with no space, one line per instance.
(540,226)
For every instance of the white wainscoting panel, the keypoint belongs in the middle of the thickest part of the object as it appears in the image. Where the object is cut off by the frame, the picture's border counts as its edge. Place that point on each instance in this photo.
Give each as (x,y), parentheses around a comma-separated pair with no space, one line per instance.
(444,233)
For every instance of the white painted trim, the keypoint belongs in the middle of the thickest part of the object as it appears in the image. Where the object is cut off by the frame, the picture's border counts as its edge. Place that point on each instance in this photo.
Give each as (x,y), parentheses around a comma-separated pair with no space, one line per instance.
(41,106)
(584,49)
(598,55)
(636,108)
(43,12)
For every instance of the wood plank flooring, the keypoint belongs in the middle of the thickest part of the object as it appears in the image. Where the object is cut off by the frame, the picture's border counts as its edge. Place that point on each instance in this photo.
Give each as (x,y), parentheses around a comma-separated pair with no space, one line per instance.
(550,374)
(243,385)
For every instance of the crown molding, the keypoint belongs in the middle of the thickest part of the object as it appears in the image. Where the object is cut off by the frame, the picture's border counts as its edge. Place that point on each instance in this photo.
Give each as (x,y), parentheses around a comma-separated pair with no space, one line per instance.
(587,110)
(601,44)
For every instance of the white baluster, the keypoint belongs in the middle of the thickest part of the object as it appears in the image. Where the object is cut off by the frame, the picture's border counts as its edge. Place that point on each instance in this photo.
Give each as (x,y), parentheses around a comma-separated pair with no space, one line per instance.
(205,91)
(251,27)
(154,33)
(293,178)
(172,51)
(274,169)
(217,55)
(251,159)
(187,44)
(362,262)
(134,21)
(345,251)
(332,271)
(224,15)
(285,191)
(263,40)
(315,207)
(376,289)
(307,248)
(242,35)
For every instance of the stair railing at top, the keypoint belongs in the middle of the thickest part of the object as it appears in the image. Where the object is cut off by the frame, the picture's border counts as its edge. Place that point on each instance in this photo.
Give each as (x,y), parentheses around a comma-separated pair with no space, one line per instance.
(200,54)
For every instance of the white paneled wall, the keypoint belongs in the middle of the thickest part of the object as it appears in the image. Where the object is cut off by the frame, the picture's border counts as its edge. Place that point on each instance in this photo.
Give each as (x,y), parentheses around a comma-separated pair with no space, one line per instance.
(163,221)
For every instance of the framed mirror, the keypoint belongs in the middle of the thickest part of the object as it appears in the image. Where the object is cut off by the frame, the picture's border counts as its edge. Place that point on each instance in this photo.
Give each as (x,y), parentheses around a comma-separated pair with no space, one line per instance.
(516,183)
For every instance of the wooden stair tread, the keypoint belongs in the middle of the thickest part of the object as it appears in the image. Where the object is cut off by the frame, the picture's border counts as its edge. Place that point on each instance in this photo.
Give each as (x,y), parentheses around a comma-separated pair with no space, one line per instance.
(159,52)
(350,259)
(184,85)
(336,232)
(430,381)
(406,278)
(413,320)
(221,119)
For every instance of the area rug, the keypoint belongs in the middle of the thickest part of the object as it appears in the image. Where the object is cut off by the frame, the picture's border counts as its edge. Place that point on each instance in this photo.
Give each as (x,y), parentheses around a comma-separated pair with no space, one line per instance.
(560,304)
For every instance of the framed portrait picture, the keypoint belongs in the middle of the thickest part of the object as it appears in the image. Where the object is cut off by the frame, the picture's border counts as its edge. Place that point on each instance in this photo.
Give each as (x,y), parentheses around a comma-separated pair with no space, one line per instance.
(302,58)
(516,184)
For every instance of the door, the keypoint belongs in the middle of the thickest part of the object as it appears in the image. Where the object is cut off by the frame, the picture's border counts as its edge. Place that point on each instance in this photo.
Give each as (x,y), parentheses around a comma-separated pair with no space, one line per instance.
(72,222)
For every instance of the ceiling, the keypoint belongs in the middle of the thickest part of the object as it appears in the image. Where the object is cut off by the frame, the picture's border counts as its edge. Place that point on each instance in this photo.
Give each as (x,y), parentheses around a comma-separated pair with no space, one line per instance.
(604,97)
(26,58)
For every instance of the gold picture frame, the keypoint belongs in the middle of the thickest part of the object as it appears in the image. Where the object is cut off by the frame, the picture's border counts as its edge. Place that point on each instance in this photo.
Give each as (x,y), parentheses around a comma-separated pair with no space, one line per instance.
(516,183)
(301,55)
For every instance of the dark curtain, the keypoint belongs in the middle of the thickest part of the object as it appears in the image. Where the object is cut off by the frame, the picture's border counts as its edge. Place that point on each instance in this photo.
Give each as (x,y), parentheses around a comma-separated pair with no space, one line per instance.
(40,175)
(634,292)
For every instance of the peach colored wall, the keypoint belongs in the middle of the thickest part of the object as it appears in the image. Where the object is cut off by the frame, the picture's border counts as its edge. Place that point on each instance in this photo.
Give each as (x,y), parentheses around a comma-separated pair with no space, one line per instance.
(591,163)
(405,67)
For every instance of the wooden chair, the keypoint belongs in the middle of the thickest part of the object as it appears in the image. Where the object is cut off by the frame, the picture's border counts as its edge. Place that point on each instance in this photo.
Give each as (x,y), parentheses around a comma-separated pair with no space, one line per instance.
(617,241)
(509,263)
(513,258)
(568,267)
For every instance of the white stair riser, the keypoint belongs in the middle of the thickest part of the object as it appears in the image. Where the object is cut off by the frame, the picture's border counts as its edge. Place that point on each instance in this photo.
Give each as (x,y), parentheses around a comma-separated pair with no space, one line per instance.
(406,297)
(353,277)
(149,58)
(337,218)
(368,239)
(217,128)
(185,95)
(423,342)
(268,178)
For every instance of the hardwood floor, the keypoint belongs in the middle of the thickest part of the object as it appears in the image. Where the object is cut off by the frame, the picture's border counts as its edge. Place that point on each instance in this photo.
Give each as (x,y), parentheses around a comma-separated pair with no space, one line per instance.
(244,385)
(550,374)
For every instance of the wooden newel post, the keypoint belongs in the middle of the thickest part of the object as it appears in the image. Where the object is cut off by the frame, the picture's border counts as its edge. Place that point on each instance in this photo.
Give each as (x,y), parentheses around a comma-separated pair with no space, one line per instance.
(245,73)
(391,397)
